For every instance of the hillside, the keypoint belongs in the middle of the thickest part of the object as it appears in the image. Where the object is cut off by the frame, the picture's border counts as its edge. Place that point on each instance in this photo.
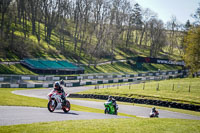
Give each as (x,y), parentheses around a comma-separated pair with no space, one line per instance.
(82,39)
(29,47)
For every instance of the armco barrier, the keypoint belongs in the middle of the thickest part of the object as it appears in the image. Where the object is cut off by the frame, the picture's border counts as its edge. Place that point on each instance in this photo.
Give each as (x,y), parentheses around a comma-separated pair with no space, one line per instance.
(26,85)
(141,101)
(92,82)
(7,78)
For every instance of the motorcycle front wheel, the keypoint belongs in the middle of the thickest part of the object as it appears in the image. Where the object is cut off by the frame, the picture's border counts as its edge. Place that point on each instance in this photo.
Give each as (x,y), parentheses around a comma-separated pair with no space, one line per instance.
(115,112)
(51,107)
(66,107)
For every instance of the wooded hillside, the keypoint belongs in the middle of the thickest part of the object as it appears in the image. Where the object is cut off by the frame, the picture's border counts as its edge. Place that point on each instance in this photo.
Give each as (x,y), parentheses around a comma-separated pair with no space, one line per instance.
(85,31)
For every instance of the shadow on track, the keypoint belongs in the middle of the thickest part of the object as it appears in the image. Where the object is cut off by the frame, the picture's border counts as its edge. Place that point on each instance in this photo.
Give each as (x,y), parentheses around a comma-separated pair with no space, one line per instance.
(70,113)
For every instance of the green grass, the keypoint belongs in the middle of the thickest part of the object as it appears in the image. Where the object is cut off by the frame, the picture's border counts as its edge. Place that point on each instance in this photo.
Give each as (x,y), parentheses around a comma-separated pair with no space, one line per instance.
(7,98)
(110,126)
(123,67)
(14,69)
(165,92)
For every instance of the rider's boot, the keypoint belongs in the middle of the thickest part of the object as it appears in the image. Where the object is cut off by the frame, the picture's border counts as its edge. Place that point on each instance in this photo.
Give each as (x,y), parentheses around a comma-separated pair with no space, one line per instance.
(64,102)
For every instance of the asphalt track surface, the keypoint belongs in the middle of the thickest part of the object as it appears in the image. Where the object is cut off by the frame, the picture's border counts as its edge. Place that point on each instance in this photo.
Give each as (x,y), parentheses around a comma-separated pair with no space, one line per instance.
(128,109)
(13,115)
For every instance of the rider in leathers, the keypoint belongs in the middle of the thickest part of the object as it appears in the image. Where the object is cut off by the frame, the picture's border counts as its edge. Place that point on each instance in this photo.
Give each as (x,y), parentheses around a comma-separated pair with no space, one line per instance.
(111,99)
(60,90)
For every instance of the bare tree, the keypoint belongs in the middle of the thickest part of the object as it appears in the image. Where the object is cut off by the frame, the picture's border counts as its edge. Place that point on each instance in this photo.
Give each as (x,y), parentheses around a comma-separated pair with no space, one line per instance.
(137,21)
(147,15)
(51,10)
(172,27)
(4,4)
(157,36)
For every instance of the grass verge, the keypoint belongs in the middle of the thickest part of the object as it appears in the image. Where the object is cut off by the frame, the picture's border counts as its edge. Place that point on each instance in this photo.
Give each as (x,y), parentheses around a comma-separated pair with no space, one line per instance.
(185,90)
(110,126)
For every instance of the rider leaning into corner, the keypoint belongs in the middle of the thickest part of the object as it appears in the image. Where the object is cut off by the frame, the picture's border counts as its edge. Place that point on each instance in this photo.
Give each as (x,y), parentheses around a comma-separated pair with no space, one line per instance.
(57,87)
(111,99)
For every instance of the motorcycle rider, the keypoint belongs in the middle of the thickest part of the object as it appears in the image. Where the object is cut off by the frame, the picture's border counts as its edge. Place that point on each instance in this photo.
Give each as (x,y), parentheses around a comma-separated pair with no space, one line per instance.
(62,82)
(57,87)
(154,111)
(111,99)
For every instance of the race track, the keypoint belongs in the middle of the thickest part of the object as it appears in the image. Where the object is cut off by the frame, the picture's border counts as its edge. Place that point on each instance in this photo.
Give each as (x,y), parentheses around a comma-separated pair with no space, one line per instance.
(12,115)
(128,109)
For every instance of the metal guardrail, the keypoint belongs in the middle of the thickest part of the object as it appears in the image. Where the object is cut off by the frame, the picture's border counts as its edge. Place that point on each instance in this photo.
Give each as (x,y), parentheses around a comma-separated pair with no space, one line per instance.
(91,81)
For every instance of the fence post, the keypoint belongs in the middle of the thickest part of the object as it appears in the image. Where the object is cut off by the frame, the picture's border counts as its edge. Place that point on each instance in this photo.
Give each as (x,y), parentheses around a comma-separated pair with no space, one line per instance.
(189,88)
(157,87)
(143,85)
(173,87)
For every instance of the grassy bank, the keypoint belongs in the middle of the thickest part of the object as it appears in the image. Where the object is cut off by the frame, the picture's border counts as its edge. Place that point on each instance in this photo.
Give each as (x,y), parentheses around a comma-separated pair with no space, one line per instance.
(123,67)
(15,69)
(110,126)
(185,90)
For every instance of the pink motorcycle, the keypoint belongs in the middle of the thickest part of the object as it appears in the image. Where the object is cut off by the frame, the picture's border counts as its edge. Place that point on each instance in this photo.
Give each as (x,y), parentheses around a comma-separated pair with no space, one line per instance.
(56,102)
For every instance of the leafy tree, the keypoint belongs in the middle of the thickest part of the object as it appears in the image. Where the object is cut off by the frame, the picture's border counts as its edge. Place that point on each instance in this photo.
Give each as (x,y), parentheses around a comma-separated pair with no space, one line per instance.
(192,49)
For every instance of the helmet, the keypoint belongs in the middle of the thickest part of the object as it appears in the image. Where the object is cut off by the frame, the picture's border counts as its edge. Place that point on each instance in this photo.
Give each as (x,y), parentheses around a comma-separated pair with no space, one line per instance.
(109,97)
(57,84)
(153,108)
(62,82)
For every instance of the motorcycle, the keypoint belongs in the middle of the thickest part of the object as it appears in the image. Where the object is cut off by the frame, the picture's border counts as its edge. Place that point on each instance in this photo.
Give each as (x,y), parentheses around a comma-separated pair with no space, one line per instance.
(110,109)
(154,114)
(56,102)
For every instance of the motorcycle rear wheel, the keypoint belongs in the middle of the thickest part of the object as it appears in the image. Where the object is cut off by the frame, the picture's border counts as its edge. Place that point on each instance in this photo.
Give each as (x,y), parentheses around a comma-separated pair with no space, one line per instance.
(50,107)
(66,107)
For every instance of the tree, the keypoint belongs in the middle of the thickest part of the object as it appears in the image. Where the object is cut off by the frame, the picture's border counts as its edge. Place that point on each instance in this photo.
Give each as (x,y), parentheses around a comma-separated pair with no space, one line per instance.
(192,49)
(157,37)
(137,21)
(51,10)
(197,15)
(147,16)
(187,25)
(4,4)
(33,7)
(172,27)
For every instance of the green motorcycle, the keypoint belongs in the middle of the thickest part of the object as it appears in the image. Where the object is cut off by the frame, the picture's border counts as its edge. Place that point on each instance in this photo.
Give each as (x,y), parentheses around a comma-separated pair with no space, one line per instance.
(110,109)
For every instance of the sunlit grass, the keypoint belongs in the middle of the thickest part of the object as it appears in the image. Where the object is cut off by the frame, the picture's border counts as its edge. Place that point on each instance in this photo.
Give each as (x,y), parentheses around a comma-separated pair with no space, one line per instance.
(133,125)
(181,90)
(14,69)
